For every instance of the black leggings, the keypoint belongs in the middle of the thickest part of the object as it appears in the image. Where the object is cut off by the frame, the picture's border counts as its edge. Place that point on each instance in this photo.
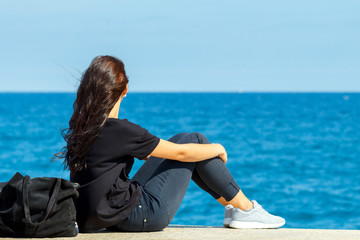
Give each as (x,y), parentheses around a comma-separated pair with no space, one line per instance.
(164,183)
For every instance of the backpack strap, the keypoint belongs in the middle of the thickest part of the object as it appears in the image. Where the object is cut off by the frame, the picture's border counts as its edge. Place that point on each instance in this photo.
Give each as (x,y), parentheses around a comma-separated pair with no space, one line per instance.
(49,205)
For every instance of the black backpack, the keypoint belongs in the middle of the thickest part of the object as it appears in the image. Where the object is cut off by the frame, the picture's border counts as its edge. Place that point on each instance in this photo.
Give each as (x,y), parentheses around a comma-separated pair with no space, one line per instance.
(39,207)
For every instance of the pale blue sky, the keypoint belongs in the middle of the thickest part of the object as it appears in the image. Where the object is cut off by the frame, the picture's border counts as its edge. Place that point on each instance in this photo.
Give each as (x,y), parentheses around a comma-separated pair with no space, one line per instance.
(184,45)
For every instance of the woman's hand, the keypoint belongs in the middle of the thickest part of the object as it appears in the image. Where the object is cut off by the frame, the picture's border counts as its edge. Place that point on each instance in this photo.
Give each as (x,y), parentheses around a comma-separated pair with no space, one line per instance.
(222,152)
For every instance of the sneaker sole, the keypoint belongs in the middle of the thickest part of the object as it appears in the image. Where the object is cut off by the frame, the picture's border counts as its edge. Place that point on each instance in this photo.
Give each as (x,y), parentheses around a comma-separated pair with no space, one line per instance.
(227,222)
(236,224)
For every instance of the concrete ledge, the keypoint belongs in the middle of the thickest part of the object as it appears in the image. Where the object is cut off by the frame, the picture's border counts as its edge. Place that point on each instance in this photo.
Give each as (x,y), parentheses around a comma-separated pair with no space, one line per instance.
(220,233)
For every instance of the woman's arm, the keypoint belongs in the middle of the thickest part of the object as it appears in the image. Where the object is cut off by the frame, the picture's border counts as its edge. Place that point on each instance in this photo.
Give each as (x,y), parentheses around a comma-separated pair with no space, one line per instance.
(188,152)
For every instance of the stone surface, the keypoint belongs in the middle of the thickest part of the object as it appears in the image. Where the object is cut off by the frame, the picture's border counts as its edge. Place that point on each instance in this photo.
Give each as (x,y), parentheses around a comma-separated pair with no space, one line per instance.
(220,233)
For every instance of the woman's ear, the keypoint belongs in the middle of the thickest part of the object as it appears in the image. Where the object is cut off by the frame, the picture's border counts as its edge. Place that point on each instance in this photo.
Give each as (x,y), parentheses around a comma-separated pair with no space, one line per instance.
(125,91)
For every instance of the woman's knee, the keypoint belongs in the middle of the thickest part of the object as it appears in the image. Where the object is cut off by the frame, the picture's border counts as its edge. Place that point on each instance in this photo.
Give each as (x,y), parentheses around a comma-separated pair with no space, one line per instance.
(178,136)
(194,137)
(201,138)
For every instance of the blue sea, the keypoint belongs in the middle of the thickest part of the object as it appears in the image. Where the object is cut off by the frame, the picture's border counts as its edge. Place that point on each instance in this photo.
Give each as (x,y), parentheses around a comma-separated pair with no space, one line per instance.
(297,154)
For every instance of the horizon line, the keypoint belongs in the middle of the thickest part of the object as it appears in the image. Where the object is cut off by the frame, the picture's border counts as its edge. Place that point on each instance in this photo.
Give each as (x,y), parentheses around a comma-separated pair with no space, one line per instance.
(195,91)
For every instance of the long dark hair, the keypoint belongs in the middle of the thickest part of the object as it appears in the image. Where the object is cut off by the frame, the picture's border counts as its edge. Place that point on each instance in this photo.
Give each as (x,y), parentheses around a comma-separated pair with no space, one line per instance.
(100,88)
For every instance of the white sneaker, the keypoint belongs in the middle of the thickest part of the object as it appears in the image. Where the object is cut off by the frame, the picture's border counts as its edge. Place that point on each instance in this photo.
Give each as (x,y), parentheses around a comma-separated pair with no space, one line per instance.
(256,217)
(228,215)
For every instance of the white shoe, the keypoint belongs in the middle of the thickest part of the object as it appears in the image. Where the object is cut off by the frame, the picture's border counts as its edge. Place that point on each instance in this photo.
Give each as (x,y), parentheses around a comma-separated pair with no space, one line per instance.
(256,217)
(228,215)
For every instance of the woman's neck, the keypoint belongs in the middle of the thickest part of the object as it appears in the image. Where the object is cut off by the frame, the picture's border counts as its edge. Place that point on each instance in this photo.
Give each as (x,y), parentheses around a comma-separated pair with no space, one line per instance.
(114,113)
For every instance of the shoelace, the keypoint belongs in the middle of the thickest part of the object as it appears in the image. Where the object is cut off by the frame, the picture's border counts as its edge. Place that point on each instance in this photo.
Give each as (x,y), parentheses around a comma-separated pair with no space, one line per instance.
(262,210)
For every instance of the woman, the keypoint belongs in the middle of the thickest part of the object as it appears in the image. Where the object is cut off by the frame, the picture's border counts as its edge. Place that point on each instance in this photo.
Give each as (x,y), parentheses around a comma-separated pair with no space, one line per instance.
(100,152)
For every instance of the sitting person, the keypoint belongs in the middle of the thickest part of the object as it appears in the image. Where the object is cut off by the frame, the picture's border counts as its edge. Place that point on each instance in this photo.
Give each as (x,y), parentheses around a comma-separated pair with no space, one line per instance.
(100,153)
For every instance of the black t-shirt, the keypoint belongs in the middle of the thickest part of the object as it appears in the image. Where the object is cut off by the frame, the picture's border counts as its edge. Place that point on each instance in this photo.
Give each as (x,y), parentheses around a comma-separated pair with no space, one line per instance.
(107,196)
